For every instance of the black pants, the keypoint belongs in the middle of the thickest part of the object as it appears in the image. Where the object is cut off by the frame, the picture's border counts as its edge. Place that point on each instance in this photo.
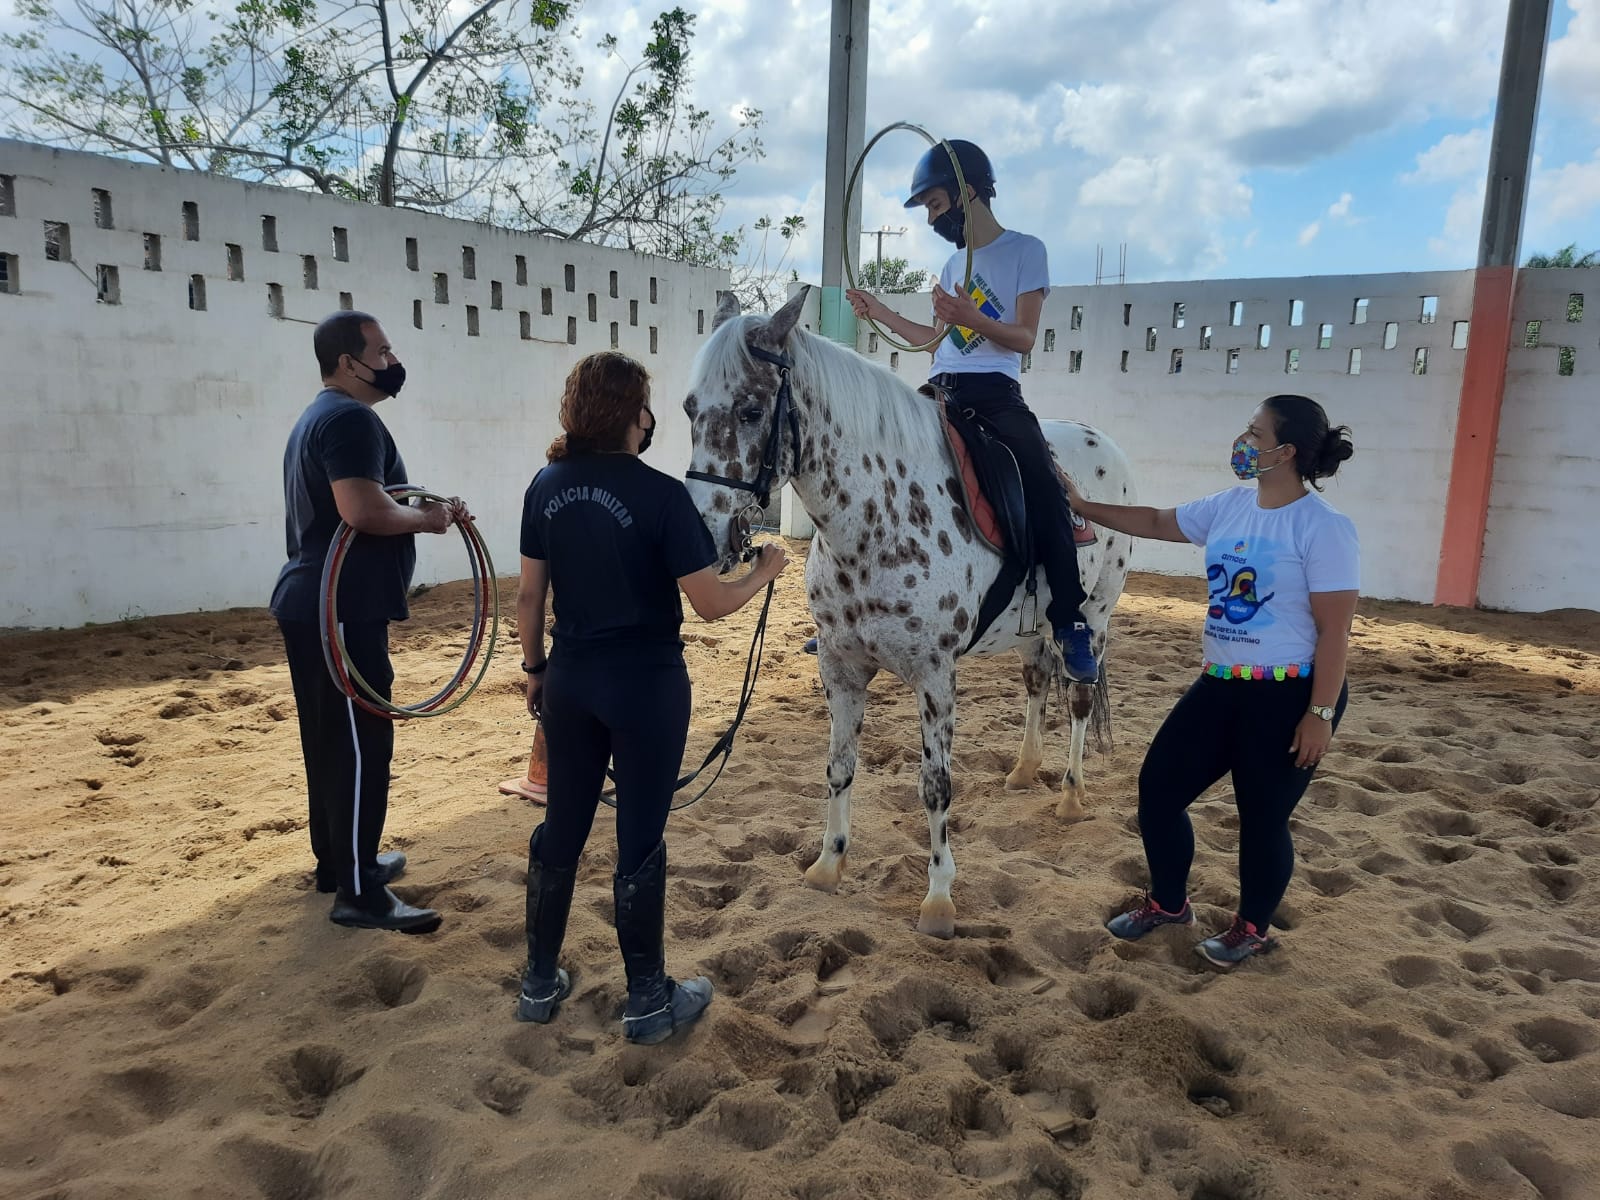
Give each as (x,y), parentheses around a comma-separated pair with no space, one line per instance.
(996,399)
(346,749)
(637,719)
(1221,726)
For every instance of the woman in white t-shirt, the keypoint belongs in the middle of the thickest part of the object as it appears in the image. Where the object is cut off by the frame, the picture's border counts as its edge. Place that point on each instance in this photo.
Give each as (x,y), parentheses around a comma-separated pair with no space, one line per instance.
(1283,573)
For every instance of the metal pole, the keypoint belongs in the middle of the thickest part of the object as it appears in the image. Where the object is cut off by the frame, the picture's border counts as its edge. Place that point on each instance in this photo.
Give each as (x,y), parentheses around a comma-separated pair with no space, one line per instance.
(1516,114)
(847,127)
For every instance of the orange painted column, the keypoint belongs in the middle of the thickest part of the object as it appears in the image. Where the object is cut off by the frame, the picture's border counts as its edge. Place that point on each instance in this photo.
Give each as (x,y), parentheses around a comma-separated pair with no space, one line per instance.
(1483,385)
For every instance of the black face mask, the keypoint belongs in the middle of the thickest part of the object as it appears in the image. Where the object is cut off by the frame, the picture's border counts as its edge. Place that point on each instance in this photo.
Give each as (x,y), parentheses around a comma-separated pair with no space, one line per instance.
(644,442)
(951,225)
(388,380)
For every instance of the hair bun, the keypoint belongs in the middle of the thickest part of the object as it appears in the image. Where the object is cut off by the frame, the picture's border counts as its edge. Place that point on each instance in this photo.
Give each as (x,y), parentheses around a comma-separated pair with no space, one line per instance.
(1337,446)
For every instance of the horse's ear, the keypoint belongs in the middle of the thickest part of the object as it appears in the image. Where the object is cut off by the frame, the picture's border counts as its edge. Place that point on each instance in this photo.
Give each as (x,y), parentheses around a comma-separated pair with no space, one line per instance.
(786,318)
(727,308)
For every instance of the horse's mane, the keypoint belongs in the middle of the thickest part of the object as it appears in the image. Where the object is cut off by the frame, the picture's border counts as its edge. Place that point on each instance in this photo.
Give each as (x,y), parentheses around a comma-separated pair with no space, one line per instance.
(874,408)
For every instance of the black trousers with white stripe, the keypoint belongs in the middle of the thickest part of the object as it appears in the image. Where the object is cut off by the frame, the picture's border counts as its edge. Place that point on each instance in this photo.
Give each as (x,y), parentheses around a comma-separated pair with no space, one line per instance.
(346,749)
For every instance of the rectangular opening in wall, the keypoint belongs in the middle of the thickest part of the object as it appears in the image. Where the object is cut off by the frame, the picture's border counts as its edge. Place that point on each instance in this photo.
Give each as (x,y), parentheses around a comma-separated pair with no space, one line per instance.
(416,314)
(570,274)
(1233,361)
(525,325)
(308,272)
(472,320)
(1127,314)
(152,252)
(8,195)
(894,360)
(197,292)
(522,270)
(653,296)
(347,301)
(653,339)
(700,321)
(594,307)
(547,302)
(633,312)
(1175,363)
(1430,310)
(1291,362)
(872,343)
(1027,363)
(57,241)
(1297,312)
(1530,335)
(191,221)
(497,295)
(1325,336)
(1150,337)
(1355,363)
(1263,336)
(411,254)
(269,234)
(611,286)
(1205,337)
(275,300)
(1419,361)
(616,335)
(469,263)
(1124,367)
(108,288)
(341,244)
(441,288)
(572,331)
(10,280)
(102,209)
(1458,335)
(1075,362)
(1391,334)
(1077,317)
(1178,315)
(1575,306)
(1049,340)
(1235,312)
(1358,311)
(235,262)
(1566,360)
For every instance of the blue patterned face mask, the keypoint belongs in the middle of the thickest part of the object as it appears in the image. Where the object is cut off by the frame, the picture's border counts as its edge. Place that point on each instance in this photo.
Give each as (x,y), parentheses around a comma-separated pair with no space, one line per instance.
(1247,459)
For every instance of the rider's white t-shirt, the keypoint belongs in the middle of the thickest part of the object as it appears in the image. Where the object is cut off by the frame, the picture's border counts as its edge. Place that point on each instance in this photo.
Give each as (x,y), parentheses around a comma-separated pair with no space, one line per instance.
(1262,564)
(1009,266)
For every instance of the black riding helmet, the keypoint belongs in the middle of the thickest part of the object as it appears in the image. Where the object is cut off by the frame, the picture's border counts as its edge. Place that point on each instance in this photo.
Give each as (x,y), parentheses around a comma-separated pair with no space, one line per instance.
(934,169)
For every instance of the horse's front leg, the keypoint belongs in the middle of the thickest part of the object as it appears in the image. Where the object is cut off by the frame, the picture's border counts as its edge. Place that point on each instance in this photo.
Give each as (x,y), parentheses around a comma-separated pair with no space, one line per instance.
(1036,673)
(938,700)
(846,691)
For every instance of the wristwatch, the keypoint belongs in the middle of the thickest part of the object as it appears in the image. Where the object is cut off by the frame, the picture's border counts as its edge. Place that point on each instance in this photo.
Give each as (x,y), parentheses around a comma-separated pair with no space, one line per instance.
(1325,711)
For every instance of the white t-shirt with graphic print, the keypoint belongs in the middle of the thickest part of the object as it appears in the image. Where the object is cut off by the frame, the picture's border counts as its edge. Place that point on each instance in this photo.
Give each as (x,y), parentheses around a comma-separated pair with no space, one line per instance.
(1262,564)
(1011,265)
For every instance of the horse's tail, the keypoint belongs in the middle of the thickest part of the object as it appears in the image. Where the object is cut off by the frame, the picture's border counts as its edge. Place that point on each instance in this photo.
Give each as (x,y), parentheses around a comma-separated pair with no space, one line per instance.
(1100,713)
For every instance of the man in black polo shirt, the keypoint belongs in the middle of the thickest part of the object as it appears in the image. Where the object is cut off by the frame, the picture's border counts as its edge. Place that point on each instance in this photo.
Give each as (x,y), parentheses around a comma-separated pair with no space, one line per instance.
(339,460)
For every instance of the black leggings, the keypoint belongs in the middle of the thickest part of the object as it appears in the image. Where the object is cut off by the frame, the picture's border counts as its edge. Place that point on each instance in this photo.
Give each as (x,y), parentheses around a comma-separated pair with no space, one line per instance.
(637,719)
(1223,725)
(996,399)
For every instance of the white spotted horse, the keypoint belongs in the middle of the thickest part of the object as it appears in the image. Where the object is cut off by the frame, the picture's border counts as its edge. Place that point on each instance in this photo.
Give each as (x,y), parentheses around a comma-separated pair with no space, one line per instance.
(898,572)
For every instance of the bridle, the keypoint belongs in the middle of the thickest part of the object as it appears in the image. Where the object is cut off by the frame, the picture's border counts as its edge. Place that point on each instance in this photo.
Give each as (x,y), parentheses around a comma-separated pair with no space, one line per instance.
(761,487)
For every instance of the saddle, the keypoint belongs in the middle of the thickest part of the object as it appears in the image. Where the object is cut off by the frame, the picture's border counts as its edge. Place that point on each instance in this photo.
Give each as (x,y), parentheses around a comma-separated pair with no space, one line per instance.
(991,485)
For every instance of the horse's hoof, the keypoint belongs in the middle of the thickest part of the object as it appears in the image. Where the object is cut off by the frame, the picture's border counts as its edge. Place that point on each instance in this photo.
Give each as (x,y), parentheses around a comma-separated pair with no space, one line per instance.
(1020,780)
(822,878)
(937,919)
(1071,807)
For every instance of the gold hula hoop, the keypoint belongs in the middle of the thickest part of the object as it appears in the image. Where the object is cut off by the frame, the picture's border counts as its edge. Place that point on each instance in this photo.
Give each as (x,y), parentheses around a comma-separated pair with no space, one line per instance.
(849,193)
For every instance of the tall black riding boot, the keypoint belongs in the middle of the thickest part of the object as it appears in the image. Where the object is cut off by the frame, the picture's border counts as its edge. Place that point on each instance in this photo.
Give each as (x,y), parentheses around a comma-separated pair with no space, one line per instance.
(658,1006)
(544,984)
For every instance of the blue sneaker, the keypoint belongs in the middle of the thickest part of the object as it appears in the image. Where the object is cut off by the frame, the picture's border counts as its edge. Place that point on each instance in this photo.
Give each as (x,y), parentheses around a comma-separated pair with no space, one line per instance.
(1134,924)
(1241,941)
(811,646)
(1077,650)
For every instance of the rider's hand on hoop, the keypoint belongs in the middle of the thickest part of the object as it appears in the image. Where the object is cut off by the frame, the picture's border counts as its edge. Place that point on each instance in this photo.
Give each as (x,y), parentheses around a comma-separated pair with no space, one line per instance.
(866,304)
(771,559)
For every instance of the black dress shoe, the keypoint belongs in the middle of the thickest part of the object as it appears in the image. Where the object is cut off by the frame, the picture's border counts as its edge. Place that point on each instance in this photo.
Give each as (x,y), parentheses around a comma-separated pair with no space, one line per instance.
(391,866)
(382,910)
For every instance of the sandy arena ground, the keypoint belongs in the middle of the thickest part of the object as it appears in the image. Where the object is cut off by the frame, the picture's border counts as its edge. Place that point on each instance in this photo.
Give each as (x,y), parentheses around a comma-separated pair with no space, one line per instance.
(179,1019)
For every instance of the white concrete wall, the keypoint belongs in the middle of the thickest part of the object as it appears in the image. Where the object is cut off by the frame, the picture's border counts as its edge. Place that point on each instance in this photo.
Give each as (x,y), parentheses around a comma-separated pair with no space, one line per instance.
(143,441)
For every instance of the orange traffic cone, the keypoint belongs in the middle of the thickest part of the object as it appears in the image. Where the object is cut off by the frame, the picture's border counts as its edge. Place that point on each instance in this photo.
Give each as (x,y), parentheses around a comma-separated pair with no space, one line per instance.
(535,785)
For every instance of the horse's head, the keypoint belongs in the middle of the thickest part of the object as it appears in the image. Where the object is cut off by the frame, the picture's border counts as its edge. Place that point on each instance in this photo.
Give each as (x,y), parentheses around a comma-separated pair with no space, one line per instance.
(743,421)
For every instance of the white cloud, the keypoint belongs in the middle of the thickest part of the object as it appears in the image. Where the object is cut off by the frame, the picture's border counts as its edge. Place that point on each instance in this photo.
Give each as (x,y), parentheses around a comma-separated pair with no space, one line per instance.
(1340,208)
(1572,76)
(1454,156)
(1456,245)
(1563,207)
(1309,233)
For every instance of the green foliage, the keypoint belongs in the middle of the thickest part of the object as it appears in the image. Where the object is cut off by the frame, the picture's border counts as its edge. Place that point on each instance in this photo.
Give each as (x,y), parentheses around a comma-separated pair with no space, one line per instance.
(895,277)
(1567,256)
